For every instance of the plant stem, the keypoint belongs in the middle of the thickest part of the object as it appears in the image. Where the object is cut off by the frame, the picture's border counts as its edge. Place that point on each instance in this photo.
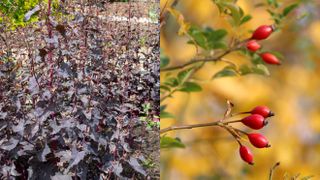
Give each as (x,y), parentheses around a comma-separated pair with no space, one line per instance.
(216,123)
(234,121)
(272,170)
(236,136)
(50,53)
(173,128)
(211,59)
(243,132)
(239,113)
(168,95)
(205,60)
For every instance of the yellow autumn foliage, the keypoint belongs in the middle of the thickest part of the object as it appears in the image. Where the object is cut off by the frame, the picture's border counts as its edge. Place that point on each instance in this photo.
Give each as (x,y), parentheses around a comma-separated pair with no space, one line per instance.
(292,91)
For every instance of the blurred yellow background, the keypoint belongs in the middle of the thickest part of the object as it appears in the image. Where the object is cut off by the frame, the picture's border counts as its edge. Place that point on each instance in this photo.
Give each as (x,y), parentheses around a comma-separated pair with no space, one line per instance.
(292,91)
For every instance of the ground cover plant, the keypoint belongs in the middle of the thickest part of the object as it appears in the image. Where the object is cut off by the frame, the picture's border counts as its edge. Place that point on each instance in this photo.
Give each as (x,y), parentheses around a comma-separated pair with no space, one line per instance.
(79,89)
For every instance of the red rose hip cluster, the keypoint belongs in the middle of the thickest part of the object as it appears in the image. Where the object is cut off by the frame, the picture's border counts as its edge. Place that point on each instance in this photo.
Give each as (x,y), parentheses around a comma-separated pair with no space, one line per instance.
(256,120)
(261,33)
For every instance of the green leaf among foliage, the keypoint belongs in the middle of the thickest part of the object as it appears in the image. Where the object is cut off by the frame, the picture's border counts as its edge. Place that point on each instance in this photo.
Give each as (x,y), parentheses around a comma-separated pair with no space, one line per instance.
(184,75)
(168,142)
(246,19)
(164,60)
(225,72)
(288,9)
(207,38)
(164,114)
(190,87)
(15,11)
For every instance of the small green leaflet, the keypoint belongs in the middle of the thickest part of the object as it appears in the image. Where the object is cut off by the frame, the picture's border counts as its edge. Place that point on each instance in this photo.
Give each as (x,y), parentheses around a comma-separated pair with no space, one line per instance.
(288,9)
(244,69)
(165,114)
(164,60)
(184,75)
(261,69)
(168,142)
(226,72)
(190,87)
(257,69)
(246,19)
(172,82)
(207,38)
(235,11)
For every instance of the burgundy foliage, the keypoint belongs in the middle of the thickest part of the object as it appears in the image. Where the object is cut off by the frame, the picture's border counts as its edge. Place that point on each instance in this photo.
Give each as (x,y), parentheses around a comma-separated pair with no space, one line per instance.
(71,93)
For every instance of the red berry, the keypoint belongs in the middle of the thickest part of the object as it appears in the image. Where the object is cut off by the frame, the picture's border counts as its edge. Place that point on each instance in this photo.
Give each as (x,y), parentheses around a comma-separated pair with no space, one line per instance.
(253,46)
(258,140)
(263,111)
(254,121)
(270,58)
(262,32)
(246,154)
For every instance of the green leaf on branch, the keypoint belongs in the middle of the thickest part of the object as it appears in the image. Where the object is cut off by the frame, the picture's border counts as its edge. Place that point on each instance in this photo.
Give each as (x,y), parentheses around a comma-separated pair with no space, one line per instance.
(226,72)
(273,3)
(220,4)
(246,19)
(164,60)
(261,69)
(235,12)
(207,38)
(164,114)
(288,9)
(244,69)
(184,75)
(271,12)
(198,36)
(190,87)
(258,69)
(163,107)
(165,88)
(256,59)
(219,45)
(215,35)
(168,142)
(172,82)
(214,38)
(230,8)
